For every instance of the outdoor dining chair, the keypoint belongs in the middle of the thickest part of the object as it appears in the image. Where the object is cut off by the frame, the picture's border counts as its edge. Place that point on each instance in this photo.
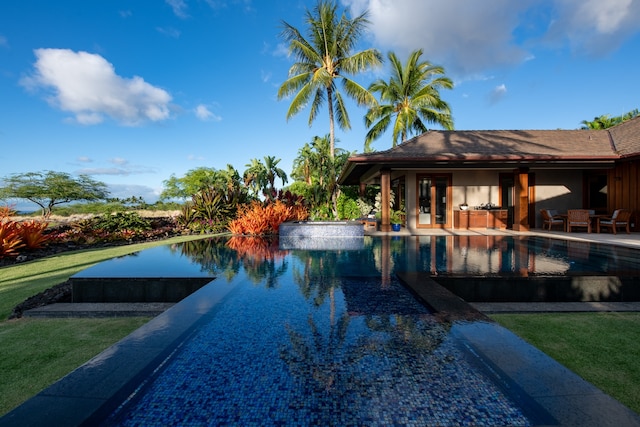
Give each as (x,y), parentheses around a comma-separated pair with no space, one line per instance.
(578,218)
(549,219)
(620,218)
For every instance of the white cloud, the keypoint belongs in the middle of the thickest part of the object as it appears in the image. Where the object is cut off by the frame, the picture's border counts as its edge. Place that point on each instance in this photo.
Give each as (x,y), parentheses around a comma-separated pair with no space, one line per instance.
(169,32)
(497,93)
(203,113)
(192,157)
(4,42)
(473,36)
(179,8)
(87,86)
(119,161)
(594,26)
(84,159)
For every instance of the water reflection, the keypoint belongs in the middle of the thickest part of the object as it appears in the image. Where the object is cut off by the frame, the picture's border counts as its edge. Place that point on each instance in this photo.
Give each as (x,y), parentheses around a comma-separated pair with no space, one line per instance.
(381,257)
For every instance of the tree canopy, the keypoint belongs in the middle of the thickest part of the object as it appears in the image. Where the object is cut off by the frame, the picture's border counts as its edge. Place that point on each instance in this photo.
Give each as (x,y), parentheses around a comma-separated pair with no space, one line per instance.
(324,56)
(605,121)
(48,189)
(199,179)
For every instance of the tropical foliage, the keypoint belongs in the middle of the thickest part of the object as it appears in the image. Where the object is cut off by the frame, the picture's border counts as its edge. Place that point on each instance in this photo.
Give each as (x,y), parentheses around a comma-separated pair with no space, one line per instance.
(17,236)
(410,99)
(265,218)
(260,177)
(48,189)
(200,179)
(316,173)
(605,121)
(323,57)
(211,210)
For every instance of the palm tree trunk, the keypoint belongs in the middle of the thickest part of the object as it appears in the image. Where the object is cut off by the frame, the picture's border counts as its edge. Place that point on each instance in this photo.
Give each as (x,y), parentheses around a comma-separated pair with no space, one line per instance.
(331,124)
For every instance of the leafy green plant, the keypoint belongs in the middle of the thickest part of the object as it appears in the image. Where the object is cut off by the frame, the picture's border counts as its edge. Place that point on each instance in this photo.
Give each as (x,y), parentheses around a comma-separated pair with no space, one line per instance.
(395,217)
(347,207)
(120,221)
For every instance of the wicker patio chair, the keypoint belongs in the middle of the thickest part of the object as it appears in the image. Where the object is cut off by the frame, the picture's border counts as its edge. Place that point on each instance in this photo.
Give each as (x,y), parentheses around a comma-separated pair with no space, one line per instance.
(620,218)
(549,220)
(578,218)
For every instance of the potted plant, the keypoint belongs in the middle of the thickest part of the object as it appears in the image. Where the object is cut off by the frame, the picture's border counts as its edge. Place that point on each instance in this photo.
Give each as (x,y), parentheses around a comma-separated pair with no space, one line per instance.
(395,219)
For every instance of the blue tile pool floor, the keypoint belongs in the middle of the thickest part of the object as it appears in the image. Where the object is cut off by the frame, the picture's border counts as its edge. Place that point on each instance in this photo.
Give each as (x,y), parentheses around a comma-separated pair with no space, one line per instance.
(267,358)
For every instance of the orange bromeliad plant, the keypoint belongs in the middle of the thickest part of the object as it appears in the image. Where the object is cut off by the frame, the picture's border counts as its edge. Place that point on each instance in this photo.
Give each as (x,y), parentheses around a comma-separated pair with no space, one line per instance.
(10,240)
(31,233)
(259,219)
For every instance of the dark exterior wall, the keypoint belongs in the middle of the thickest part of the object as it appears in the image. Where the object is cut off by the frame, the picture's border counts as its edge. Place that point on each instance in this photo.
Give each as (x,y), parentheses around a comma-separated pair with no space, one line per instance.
(623,189)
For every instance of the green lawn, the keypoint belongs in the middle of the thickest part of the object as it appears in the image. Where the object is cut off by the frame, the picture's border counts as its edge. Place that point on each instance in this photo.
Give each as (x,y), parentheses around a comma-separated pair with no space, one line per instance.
(37,352)
(603,348)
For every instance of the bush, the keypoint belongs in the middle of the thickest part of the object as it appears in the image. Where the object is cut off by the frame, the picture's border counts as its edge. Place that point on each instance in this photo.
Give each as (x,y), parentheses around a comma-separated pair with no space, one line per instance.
(121,221)
(258,219)
(10,240)
(348,208)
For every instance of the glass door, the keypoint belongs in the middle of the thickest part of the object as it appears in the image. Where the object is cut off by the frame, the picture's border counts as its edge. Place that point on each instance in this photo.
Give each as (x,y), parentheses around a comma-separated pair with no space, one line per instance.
(434,194)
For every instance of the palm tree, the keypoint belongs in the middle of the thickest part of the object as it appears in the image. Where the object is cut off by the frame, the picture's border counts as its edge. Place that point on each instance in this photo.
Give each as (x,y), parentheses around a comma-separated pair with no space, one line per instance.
(324,57)
(255,176)
(261,176)
(412,97)
(600,122)
(273,172)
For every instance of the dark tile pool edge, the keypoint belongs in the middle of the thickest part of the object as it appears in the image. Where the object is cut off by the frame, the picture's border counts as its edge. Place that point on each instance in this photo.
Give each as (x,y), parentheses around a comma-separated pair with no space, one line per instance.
(77,397)
(564,395)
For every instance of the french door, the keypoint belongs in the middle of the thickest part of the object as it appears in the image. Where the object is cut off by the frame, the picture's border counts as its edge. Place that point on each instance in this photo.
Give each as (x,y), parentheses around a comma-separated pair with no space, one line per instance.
(434,201)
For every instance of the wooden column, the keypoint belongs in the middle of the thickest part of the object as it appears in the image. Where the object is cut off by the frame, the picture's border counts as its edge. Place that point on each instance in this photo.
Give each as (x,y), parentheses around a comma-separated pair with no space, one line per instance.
(385,190)
(521,200)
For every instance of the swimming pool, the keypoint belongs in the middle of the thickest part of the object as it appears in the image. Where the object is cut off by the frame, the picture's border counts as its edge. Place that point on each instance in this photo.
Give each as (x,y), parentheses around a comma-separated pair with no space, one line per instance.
(332,337)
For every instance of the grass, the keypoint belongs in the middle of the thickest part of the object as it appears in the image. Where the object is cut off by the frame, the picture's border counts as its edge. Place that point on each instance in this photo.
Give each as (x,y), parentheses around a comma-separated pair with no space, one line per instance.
(602,348)
(37,352)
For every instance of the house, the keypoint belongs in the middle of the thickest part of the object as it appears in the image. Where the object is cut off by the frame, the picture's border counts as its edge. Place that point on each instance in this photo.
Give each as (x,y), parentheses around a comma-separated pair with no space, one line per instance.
(517,171)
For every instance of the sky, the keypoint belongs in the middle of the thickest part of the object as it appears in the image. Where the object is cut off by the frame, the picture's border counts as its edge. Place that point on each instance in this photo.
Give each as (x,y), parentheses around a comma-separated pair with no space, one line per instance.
(131,92)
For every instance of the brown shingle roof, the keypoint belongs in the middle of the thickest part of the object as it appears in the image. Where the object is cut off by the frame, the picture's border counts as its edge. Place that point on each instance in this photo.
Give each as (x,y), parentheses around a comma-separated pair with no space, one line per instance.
(626,137)
(500,144)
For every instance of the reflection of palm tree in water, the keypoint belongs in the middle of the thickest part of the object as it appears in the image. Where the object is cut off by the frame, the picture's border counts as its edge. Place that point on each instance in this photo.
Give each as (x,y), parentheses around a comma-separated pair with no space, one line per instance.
(410,335)
(319,358)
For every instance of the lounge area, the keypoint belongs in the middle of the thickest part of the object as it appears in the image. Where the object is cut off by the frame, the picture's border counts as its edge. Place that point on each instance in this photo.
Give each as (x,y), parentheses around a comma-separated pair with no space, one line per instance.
(586,219)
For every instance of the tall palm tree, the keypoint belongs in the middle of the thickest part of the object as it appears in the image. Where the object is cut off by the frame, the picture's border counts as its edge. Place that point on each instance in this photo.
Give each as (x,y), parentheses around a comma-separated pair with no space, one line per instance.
(411,97)
(324,57)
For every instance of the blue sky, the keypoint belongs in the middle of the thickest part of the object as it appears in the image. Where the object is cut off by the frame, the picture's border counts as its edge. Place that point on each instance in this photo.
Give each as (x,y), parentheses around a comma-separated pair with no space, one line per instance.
(131,92)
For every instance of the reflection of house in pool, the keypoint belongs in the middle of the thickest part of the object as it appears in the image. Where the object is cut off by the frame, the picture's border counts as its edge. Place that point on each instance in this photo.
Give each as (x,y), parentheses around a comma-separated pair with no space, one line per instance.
(507,269)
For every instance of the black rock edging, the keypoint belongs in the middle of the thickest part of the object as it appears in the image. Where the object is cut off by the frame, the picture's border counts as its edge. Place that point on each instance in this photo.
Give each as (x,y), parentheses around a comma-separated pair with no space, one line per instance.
(58,293)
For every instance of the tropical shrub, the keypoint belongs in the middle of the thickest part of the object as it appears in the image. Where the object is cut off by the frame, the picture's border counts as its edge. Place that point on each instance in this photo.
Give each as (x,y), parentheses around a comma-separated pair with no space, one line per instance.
(7,211)
(10,240)
(120,221)
(32,233)
(260,219)
(211,210)
(347,207)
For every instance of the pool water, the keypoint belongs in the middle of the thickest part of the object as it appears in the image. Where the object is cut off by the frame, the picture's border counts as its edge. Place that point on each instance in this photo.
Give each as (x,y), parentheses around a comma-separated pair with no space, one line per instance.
(285,336)
(330,337)
(298,351)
